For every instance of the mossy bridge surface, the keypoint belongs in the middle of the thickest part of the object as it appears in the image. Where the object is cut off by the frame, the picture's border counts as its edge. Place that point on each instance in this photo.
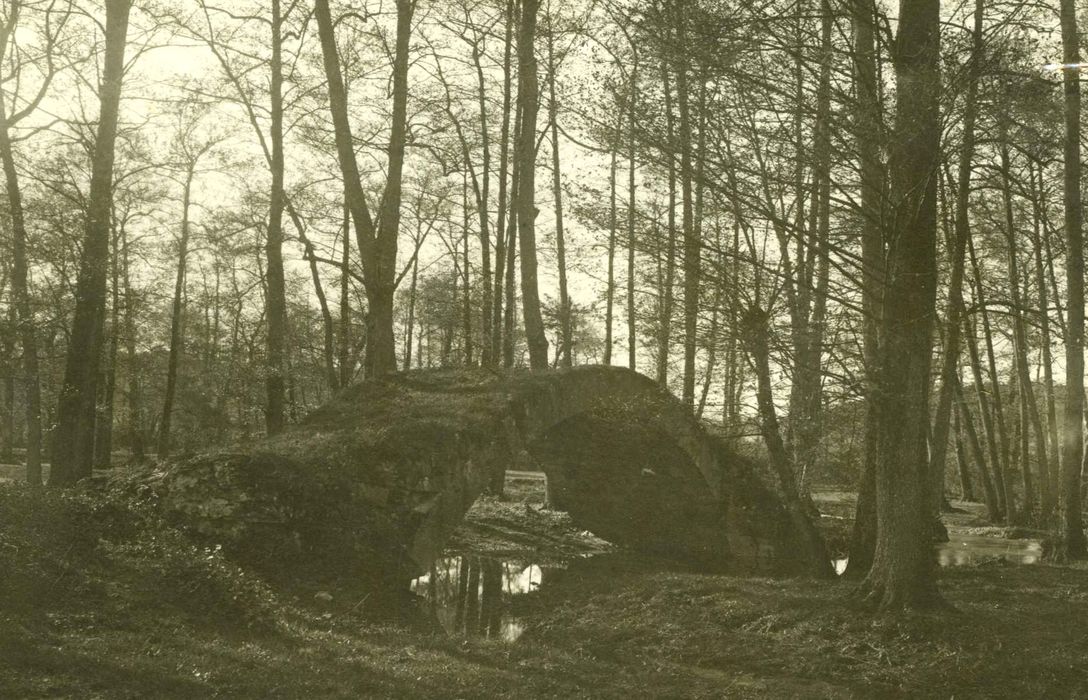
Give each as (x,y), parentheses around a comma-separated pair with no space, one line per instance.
(377,479)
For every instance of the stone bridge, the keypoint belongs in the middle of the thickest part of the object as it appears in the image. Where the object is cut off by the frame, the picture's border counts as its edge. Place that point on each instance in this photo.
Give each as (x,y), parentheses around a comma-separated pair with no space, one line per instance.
(398,461)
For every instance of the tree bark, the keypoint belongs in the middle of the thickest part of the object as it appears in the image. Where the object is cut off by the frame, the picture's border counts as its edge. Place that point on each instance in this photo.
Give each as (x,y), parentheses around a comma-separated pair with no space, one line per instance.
(1072,531)
(1053,465)
(665,320)
(135,408)
(345,360)
(754,325)
(276,299)
(73,438)
(1028,405)
(902,571)
(613,223)
(177,341)
(20,287)
(377,243)
(483,195)
(497,320)
(529,97)
(949,372)
(566,339)
(631,315)
(692,245)
(867,135)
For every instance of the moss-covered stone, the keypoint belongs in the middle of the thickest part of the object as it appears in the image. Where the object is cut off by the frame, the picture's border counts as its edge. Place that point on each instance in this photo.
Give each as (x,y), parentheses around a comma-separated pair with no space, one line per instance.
(373,483)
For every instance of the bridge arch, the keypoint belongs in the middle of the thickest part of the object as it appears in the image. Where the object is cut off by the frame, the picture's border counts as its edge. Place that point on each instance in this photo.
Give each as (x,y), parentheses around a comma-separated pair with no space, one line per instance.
(412,452)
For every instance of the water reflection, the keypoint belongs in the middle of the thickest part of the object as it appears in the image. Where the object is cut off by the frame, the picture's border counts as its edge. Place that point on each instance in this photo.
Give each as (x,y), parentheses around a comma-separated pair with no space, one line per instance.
(971,550)
(963,550)
(468,594)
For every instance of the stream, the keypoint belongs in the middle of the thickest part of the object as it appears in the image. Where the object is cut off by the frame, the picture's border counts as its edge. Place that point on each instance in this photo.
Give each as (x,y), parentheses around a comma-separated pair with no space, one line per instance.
(471,595)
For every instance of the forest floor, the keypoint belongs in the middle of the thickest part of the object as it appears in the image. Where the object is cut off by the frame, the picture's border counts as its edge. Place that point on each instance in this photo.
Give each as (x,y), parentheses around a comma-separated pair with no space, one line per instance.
(91,605)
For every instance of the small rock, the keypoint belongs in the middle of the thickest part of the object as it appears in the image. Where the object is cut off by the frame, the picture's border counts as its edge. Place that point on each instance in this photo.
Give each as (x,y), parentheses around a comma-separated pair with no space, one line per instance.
(323,596)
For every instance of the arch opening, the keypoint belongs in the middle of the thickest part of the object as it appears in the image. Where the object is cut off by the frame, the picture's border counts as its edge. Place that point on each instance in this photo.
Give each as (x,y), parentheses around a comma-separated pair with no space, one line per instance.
(631,483)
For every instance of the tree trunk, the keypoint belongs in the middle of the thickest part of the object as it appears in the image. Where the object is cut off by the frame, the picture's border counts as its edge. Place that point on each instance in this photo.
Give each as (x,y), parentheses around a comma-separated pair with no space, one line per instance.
(177,341)
(566,339)
(902,571)
(345,360)
(377,244)
(613,223)
(103,441)
(508,319)
(276,298)
(867,135)
(483,195)
(328,336)
(754,325)
(692,245)
(632,98)
(135,409)
(1028,405)
(466,276)
(20,287)
(1072,531)
(993,504)
(1053,465)
(990,430)
(411,313)
(957,252)
(73,438)
(525,155)
(497,320)
(665,320)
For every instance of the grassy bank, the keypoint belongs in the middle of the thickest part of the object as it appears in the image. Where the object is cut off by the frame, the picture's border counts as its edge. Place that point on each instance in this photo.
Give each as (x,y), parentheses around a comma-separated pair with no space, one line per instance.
(101,599)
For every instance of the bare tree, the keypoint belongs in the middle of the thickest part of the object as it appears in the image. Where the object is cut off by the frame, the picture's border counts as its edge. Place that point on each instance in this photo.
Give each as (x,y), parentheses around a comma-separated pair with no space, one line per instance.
(73,438)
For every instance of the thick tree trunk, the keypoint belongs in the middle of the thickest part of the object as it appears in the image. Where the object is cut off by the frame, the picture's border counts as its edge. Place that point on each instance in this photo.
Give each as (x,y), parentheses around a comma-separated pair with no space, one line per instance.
(377,243)
(902,571)
(73,438)
(525,155)
(1072,531)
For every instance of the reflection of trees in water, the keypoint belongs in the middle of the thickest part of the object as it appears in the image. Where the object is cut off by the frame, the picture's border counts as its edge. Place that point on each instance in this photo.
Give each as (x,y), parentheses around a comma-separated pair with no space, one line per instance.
(466,594)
